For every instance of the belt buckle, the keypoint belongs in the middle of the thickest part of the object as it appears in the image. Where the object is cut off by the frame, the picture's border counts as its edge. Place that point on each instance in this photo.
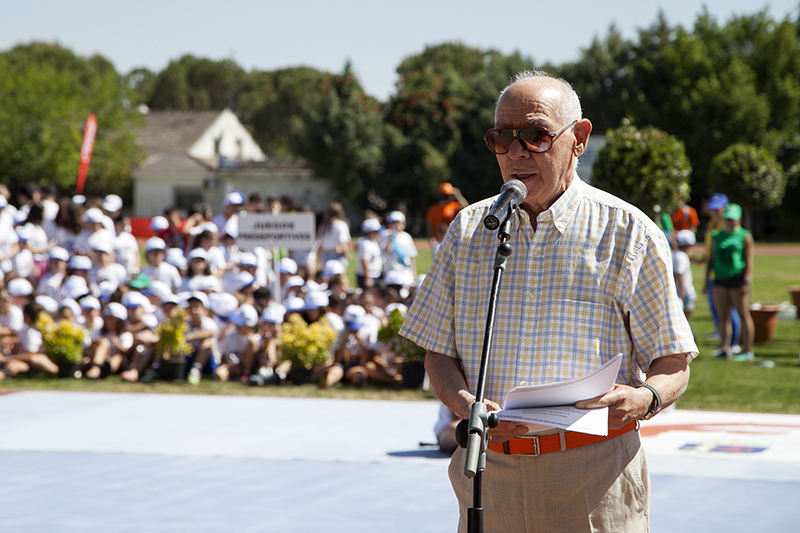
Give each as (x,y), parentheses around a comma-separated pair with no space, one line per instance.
(536,449)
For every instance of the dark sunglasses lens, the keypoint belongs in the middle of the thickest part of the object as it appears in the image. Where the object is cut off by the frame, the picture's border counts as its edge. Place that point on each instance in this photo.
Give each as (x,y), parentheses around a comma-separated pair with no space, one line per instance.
(498,141)
(536,139)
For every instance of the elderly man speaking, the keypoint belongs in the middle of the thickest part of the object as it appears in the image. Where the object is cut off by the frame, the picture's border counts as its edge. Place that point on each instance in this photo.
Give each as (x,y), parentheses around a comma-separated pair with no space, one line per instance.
(590,277)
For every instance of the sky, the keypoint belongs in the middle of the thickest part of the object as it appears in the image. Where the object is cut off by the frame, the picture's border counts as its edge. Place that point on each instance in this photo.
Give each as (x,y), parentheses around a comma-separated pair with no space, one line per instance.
(375,36)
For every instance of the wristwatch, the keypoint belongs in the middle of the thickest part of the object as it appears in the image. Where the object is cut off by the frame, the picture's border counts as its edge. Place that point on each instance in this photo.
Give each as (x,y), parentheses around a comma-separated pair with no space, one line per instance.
(655,405)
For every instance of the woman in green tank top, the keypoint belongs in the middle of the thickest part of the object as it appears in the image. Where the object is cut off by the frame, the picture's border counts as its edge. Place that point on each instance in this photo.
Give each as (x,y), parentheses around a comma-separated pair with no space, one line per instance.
(731,259)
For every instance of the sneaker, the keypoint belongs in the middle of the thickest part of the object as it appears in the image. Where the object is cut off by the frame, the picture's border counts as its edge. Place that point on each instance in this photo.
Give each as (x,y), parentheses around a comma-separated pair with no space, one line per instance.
(736,349)
(150,376)
(722,355)
(257,380)
(744,357)
(194,376)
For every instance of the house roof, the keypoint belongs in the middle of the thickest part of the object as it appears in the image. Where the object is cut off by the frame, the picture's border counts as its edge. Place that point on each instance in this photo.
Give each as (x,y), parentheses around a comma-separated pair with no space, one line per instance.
(174,132)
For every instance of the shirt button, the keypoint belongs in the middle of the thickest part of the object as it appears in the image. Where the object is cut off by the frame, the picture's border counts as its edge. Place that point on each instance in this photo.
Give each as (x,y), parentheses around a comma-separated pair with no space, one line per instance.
(523,383)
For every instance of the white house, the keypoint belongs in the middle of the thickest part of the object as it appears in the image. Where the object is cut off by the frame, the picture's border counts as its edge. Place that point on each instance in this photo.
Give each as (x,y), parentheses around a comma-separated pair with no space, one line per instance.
(200,156)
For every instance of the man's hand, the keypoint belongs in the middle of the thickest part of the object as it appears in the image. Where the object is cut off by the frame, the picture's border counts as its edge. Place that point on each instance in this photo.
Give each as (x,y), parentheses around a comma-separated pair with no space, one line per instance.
(504,430)
(625,404)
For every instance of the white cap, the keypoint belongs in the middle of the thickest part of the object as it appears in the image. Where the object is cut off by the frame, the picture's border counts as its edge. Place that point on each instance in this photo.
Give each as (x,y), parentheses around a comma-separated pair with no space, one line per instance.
(311,286)
(353,316)
(74,287)
(48,304)
(398,307)
(94,216)
(248,259)
(332,268)
(18,218)
(150,320)
(294,303)
(19,287)
(176,258)
(316,299)
(155,243)
(112,203)
(200,296)
(287,265)
(90,302)
(79,262)
(117,310)
(403,278)
(158,223)
(59,253)
(205,226)
(370,224)
(72,304)
(246,315)
(294,281)
(273,313)
(158,288)
(101,245)
(686,237)
(239,281)
(79,199)
(234,198)
(395,216)
(137,299)
(222,303)
(205,283)
(197,253)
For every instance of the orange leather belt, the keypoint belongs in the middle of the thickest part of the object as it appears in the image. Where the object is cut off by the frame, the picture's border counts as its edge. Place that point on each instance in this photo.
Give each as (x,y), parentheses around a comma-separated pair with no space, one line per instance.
(552,443)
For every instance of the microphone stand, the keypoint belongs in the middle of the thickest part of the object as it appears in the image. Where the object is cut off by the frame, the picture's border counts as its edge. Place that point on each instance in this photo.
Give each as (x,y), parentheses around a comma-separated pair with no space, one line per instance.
(475,431)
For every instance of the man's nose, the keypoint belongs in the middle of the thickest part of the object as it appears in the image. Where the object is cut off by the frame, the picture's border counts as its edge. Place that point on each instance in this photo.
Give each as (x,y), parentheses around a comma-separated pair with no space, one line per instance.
(516,150)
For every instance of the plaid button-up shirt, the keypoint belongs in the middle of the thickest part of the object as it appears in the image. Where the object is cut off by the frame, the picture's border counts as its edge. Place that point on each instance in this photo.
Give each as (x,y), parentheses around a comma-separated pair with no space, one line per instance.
(594,280)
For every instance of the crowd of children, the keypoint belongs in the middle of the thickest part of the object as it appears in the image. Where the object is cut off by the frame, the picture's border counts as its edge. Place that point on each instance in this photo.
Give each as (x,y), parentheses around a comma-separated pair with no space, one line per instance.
(74,261)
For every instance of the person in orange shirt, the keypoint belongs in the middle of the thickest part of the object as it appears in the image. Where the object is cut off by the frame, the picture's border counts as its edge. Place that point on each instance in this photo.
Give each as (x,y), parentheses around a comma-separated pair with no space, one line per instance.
(685,217)
(443,212)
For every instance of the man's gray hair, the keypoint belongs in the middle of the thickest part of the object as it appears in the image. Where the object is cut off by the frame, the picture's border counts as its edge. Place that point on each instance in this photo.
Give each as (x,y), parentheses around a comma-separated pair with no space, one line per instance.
(570,108)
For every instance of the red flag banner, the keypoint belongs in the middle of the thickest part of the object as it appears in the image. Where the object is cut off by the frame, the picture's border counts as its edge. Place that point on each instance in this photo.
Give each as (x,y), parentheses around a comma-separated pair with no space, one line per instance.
(89,133)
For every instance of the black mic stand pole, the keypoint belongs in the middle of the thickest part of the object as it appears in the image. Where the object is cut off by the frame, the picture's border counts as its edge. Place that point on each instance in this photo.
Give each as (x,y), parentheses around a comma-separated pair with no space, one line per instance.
(479,419)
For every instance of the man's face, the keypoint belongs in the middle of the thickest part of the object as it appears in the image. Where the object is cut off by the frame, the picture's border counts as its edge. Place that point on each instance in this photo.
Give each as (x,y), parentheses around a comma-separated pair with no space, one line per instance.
(535,102)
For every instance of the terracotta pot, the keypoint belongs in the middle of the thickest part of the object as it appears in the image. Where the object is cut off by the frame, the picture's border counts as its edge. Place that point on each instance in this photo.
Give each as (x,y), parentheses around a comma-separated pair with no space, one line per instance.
(765,321)
(794,291)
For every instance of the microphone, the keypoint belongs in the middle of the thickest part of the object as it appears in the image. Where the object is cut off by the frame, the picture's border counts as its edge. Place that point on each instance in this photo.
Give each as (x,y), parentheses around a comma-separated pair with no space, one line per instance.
(512,193)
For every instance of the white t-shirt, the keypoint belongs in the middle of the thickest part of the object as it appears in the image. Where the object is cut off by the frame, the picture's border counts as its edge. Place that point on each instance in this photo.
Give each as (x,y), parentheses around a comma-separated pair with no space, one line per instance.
(127,249)
(30,340)
(396,247)
(50,284)
(13,319)
(369,251)
(166,273)
(681,264)
(337,233)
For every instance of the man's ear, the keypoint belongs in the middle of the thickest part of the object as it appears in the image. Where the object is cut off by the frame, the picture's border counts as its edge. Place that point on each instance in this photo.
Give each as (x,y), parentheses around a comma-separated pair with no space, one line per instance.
(582,130)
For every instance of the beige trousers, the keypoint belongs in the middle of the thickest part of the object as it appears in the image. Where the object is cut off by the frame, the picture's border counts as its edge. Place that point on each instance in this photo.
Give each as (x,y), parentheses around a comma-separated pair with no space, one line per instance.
(602,487)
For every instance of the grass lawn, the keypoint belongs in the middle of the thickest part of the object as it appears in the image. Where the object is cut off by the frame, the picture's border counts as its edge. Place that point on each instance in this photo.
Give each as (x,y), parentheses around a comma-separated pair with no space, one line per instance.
(714,385)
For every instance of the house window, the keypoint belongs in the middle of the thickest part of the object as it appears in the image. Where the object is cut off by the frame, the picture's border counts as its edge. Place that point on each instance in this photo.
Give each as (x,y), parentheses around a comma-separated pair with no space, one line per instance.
(186,197)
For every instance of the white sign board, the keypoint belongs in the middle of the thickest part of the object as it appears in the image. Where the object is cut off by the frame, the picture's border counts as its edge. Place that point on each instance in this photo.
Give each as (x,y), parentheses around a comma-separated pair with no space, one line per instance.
(295,231)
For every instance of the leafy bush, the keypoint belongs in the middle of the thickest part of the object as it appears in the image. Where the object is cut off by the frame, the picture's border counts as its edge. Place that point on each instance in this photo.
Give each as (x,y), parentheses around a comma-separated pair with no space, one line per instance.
(401,346)
(172,337)
(63,341)
(645,167)
(306,345)
(749,175)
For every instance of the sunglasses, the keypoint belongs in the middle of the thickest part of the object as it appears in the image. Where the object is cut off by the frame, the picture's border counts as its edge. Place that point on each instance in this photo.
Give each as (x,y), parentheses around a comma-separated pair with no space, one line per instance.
(534,139)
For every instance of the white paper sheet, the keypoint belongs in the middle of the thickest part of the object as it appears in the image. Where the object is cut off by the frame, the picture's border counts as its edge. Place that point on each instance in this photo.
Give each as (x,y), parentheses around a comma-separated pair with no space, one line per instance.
(552,405)
(591,421)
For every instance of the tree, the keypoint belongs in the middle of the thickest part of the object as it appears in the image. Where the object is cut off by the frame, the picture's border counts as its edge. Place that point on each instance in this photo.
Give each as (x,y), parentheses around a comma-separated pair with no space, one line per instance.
(749,175)
(197,83)
(341,137)
(645,167)
(270,100)
(46,93)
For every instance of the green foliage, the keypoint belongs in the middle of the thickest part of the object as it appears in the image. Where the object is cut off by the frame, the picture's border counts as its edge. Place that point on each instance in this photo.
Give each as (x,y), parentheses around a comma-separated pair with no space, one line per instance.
(645,167)
(749,175)
(306,345)
(46,93)
(341,136)
(389,336)
(63,341)
(197,83)
(172,337)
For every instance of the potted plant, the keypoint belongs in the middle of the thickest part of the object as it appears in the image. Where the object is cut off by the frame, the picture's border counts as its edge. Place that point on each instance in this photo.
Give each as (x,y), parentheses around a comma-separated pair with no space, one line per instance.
(63,343)
(794,292)
(305,345)
(765,321)
(412,355)
(172,348)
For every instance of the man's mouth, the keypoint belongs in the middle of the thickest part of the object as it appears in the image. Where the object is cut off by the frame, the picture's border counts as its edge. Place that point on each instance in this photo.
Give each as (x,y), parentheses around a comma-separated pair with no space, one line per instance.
(522,177)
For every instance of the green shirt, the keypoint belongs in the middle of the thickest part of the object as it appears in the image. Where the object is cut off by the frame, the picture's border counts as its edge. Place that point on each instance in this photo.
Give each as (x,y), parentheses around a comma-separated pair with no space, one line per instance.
(728,252)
